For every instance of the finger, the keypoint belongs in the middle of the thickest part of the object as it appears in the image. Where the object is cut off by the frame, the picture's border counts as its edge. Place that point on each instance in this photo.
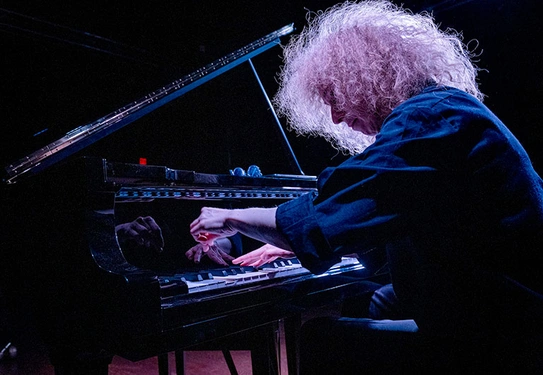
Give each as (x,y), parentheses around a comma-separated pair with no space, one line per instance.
(132,233)
(247,261)
(155,232)
(213,256)
(159,241)
(198,255)
(134,237)
(196,227)
(190,254)
(140,233)
(156,247)
(154,243)
(194,223)
(263,259)
(256,263)
(225,255)
(139,226)
(150,223)
(249,257)
(143,222)
(203,236)
(270,259)
(238,260)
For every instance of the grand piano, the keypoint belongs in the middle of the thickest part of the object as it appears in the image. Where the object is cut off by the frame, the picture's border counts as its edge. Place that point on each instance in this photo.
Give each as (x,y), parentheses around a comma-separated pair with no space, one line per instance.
(94,299)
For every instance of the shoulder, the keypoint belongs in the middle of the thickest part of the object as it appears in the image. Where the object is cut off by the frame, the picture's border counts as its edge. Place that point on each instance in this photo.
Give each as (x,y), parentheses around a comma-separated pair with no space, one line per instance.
(435,97)
(437,110)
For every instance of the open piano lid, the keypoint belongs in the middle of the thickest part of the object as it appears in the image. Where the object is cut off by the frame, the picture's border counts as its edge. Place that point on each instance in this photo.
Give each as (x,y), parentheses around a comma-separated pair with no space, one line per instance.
(86,135)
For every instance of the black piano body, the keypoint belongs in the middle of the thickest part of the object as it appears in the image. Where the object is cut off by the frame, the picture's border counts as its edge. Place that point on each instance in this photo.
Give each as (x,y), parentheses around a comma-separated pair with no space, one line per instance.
(94,299)
(93,303)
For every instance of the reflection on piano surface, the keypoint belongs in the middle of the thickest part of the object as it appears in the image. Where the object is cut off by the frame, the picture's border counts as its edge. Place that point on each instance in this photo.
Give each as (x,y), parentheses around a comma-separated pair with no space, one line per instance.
(95,299)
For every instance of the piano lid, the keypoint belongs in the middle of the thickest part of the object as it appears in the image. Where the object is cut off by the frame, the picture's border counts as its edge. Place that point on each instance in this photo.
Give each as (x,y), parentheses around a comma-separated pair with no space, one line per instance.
(86,135)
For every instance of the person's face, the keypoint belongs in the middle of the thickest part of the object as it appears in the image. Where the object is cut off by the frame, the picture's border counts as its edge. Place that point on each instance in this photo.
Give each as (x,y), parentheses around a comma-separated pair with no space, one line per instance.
(339,116)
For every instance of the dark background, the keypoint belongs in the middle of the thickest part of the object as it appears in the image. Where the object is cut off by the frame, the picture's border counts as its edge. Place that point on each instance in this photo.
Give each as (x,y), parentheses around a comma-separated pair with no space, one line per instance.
(67,65)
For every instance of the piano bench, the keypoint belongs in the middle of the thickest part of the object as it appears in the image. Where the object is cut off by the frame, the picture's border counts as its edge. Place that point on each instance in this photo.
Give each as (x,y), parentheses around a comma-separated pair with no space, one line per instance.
(354,345)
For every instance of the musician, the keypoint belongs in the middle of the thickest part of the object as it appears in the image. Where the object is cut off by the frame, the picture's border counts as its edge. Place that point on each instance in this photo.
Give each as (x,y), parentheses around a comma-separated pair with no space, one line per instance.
(435,179)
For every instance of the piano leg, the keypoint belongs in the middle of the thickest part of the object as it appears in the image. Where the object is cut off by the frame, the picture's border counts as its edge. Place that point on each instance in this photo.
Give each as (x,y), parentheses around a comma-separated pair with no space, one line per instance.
(230,362)
(292,326)
(163,366)
(179,362)
(264,355)
(262,341)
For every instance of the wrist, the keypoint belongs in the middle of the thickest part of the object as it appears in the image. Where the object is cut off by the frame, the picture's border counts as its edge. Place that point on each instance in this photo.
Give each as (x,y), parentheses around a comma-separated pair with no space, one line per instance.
(224,244)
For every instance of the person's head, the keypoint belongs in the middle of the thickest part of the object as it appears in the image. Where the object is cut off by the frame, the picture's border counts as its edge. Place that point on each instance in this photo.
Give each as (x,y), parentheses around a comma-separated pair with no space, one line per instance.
(357,61)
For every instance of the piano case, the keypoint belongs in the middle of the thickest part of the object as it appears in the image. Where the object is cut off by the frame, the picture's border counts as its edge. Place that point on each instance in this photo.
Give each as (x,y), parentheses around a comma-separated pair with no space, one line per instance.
(94,299)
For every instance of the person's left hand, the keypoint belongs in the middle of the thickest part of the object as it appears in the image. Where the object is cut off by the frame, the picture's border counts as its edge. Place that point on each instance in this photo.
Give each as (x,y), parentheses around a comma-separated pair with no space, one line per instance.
(262,255)
(217,252)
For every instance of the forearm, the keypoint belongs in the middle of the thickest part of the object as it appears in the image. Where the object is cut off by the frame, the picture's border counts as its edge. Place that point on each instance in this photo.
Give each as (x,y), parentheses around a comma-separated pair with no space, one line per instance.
(258,223)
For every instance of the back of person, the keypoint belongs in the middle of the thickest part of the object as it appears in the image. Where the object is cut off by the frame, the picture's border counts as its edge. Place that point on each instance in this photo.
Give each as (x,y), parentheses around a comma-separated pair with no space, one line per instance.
(466,257)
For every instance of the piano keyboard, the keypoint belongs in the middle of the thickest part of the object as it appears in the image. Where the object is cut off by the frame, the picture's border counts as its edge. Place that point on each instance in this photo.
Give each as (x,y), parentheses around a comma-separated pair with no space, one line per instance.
(244,276)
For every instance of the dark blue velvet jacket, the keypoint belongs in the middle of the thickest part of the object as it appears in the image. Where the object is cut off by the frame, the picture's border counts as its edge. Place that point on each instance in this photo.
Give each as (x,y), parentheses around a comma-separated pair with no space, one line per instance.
(451,196)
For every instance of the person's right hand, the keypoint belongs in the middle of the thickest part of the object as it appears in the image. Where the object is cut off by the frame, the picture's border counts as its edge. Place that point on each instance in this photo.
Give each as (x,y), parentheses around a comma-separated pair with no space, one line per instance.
(262,255)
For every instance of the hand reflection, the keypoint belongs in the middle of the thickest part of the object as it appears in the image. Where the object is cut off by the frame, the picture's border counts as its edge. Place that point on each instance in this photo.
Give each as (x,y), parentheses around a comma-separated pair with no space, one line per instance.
(143,231)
